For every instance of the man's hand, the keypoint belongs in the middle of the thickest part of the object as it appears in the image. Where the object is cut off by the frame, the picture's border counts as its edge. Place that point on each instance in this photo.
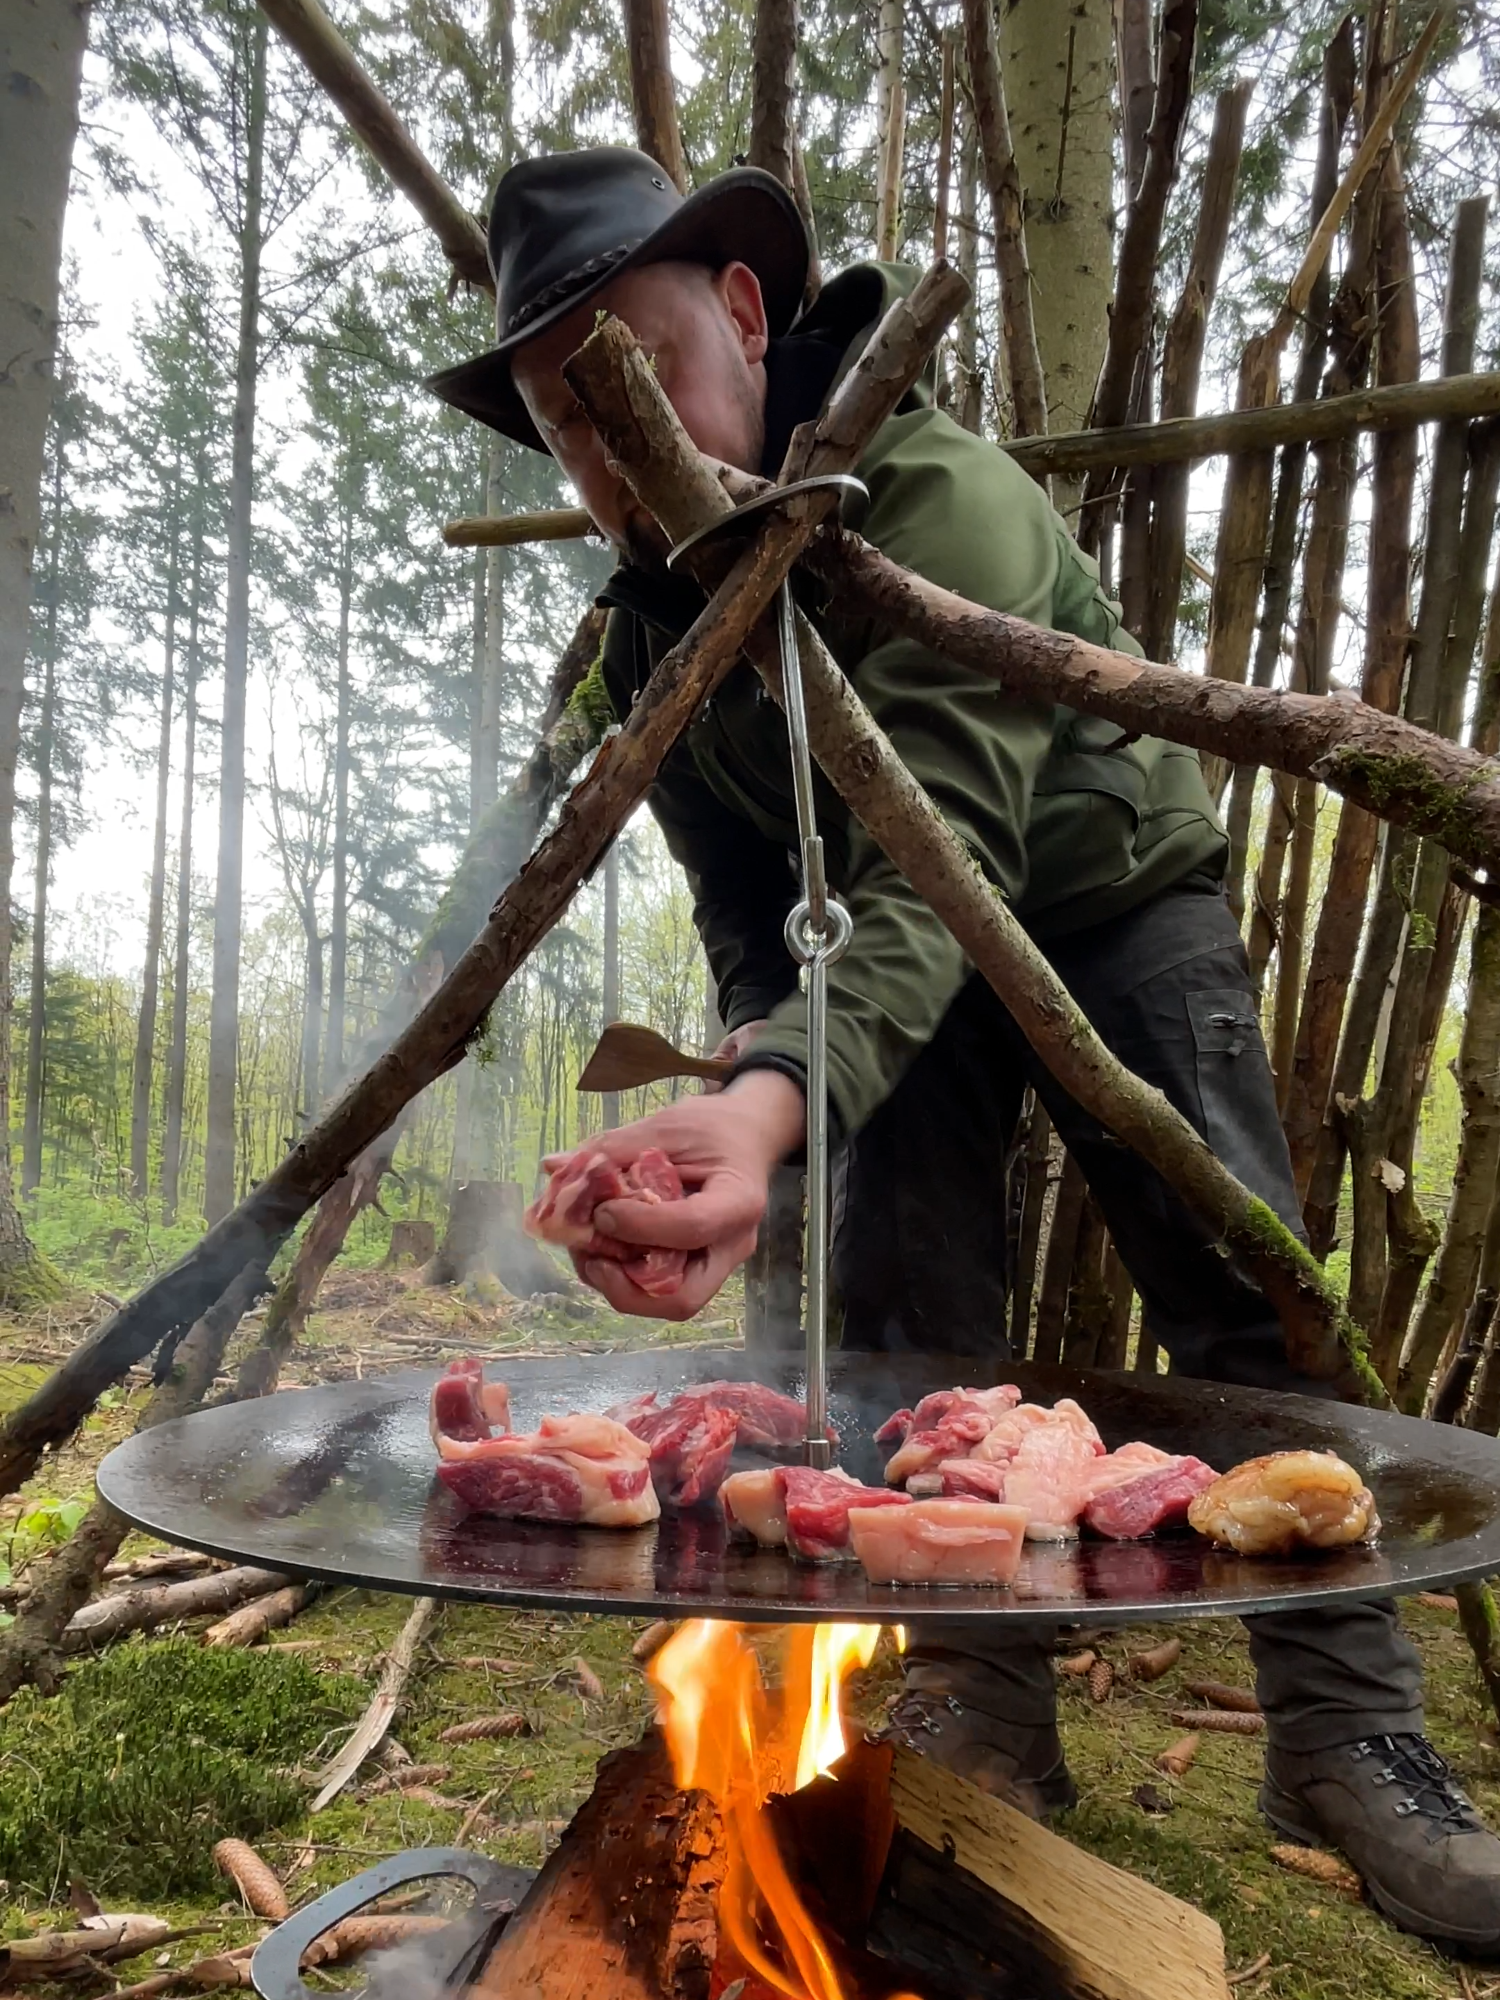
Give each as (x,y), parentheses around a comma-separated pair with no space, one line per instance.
(724,1147)
(734,1046)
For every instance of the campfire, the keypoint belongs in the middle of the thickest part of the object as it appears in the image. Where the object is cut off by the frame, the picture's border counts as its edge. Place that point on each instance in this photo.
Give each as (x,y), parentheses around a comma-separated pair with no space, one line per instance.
(745,1742)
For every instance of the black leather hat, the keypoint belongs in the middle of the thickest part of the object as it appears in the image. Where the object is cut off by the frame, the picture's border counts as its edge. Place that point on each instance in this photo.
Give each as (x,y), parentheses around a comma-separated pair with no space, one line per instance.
(561,227)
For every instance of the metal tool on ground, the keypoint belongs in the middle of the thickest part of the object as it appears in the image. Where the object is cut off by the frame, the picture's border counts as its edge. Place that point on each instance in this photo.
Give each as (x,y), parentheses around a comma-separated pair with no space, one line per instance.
(628,1056)
(818,931)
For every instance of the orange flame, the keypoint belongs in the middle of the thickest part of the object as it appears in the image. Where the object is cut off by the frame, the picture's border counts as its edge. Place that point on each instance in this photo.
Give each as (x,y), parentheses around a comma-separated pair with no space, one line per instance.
(730,1739)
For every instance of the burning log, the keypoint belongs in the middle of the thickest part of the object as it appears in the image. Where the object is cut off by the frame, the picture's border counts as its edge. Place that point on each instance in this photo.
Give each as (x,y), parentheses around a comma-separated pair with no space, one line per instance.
(631,1891)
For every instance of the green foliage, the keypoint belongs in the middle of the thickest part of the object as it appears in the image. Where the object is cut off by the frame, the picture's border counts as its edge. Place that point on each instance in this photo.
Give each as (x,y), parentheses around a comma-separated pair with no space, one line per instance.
(150,1754)
(105,1238)
(45,1524)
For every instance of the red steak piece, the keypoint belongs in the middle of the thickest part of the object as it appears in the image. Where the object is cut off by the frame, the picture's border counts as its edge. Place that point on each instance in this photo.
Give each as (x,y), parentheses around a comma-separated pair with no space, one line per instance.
(817,1510)
(1157,1498)
(579,1469)
(563,1213)
(692,1437)
(465,1406)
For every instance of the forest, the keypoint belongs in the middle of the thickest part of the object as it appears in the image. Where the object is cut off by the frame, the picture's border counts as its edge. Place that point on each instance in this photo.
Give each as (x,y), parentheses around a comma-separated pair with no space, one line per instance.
(298,666)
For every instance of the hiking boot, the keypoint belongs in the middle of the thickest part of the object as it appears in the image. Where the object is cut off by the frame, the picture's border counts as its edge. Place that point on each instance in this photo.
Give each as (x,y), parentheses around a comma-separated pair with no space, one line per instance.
(960,1711)
(1391,1804)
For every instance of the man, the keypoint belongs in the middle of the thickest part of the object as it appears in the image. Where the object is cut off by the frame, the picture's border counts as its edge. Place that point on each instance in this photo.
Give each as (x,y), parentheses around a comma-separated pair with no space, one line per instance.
(1109,850)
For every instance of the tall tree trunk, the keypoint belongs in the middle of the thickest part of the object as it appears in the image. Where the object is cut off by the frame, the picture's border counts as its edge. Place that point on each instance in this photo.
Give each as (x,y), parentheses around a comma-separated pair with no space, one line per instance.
(309,1081)
(36,1022)
(890,121)
(966,397)
(176,1091)
(648,41)
(773,131)
(145,1030)
(1002,176)
(41,55)
(1059,76)
(338,927)
(224,1023)
(610,1102)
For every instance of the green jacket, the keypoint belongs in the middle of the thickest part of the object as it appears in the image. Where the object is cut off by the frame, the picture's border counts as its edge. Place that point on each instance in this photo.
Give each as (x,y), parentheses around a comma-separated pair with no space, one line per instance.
(1069,820)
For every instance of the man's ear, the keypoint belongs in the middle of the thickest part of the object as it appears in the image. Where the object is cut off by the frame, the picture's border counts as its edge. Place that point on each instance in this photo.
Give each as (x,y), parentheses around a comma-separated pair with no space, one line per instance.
(739,288)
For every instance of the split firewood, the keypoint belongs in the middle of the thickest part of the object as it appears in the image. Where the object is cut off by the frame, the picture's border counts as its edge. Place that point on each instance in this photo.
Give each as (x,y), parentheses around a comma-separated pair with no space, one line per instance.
(1318,1866)
(1218,1695)
(480,1665)
(158,1604)
(379,1716)
(1101,1680)
(1155,1661)
(255,1879)
(261,1615)
(511,1723)
(1176,1758)
(651,1641)
(359,1934)
(588,1682)
(410,1774)
(1223,1721)
(1078,1664)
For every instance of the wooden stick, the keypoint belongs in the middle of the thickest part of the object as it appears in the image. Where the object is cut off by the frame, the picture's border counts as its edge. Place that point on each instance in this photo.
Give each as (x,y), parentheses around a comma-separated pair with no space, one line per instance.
(261,1615)
(648,41)
(1008,203)
(380,1714)
(164,1603)
(614,384)
(509,531)
(773,88)
(1174,441)
(305,26)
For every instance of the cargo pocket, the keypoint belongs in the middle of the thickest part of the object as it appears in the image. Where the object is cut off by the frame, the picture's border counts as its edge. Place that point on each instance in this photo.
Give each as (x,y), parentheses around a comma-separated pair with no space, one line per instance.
(1238,1097)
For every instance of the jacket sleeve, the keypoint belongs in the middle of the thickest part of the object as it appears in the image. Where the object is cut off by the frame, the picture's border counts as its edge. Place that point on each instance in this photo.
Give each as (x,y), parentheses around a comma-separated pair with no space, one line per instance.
(956,510)
(742,888)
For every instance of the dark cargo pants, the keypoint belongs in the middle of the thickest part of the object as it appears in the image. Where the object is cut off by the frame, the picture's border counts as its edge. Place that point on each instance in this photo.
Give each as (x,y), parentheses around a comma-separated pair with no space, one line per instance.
(919,1250)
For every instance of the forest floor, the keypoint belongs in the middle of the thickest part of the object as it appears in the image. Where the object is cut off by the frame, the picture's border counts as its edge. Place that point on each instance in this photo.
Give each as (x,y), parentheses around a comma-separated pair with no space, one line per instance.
(182,1775)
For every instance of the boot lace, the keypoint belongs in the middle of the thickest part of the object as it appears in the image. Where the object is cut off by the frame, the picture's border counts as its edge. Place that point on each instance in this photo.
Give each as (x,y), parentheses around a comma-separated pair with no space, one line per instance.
(918,1715)
(1411,1763)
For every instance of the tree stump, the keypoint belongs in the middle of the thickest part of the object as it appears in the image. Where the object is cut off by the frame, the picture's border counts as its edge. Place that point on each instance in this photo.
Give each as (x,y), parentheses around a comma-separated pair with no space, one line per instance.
(484,1239)
(413,1237)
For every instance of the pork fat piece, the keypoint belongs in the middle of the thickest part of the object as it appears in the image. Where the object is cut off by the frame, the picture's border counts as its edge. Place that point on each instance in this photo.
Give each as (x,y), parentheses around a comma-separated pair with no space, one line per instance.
(563,1213)
(1288,1500)
(801,1509)
(939,1542)
(755,1505)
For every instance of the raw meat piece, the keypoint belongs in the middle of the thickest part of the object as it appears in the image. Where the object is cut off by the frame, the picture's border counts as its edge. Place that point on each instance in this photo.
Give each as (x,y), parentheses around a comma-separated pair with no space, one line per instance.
(1049,1477)
(586,1470)
(1118,1468)
(691,1442)
(563,1213)
(1288,1500)
(817,1510)
(970,1479)
(693,1436)
(755,1505)
(935,1409)
(1156,1498)
(1012,1429)
(939,1541)
(464,1405)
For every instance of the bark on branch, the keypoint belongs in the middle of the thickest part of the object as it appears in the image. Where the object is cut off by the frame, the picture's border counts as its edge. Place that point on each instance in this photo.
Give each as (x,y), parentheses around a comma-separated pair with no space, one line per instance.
(671,479)
(1393,769)
(648,39)
(435,1040)
(304,25)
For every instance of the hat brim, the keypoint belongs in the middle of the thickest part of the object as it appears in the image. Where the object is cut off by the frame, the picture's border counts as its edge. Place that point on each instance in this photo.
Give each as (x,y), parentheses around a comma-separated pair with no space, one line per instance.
(744,215)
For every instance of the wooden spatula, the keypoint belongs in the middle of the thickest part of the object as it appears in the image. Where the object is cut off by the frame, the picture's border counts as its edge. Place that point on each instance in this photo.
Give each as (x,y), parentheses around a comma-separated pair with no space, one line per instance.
(628,1056)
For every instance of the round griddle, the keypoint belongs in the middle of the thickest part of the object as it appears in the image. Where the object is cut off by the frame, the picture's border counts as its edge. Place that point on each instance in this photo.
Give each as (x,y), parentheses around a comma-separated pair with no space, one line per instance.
(337,1483)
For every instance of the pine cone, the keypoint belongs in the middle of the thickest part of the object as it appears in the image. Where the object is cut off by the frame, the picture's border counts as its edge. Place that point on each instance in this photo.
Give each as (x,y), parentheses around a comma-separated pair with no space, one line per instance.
(511,1723)
(1217,1695)
(1101,1680)
(1223,1721)
(1176,1758)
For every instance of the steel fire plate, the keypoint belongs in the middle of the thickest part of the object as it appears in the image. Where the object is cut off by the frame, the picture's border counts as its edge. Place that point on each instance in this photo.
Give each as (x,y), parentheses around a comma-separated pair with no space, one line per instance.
(338,1483)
